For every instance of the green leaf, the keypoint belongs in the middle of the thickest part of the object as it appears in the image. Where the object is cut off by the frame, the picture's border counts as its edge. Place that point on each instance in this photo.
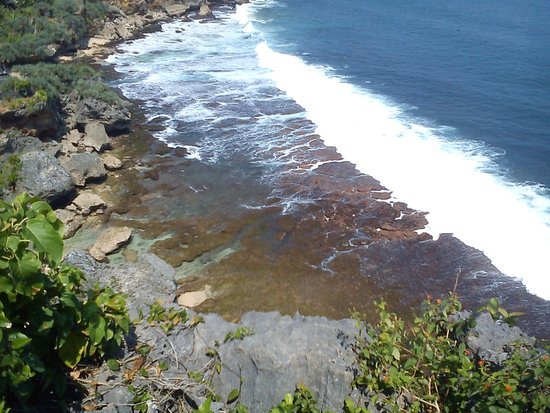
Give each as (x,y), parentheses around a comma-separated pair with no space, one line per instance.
(113,365)
(44,238)
(72,350)
(18,340)
(6,284)
(205,407)
(144,349)
(396,354)
(233,396)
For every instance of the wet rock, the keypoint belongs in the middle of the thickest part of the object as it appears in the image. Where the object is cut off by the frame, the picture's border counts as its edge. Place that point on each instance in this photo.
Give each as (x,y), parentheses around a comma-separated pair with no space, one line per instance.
(87,202)
(96,137)
(43,176)
(84,167)
(111,163)
(194,298)
(205,12)
(109,241)
(115,117)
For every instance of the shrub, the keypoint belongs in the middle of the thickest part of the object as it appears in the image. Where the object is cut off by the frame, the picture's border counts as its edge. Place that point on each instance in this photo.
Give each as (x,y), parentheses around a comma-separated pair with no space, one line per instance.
(27,31)
(48,324)
(10,172)
(427,367)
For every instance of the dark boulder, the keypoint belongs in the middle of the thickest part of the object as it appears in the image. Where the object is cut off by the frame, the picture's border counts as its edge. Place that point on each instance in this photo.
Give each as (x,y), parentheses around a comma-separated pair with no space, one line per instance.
(116,117)
(43,176)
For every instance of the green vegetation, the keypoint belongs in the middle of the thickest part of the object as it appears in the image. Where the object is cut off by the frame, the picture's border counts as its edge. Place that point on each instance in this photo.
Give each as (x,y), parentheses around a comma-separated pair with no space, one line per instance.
(10,172)
(55,80)
(427,367)
(302,401)
(239,334)
(33,30)
(48,323)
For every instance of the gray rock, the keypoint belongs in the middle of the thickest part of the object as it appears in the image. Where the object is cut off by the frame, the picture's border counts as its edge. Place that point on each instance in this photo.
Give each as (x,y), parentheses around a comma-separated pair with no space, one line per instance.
(23,144)
(282,352)
(43,176)
(118,400)
(116,118)
(84,167)
(489,339)
(96,137)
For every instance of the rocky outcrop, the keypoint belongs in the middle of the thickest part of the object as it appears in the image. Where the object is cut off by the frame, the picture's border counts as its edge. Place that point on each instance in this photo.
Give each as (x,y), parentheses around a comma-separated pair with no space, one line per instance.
(109,241)
(84,167)
(43,176)
(115,117)
(45,122)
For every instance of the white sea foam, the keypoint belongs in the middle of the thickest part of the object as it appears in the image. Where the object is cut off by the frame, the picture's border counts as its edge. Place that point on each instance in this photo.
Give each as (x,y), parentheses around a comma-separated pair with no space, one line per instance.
(456,182)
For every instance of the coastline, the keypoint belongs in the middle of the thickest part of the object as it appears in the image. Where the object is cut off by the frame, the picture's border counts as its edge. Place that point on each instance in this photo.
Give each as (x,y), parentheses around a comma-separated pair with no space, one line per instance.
(210,247)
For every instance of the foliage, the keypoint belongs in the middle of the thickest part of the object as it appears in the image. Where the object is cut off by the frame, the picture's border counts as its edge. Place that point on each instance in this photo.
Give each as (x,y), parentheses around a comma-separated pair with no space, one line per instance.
(47,322)
(28,31)
(166,319)
(9,173)
(239,334)
(498,313)
(302,401)
(427,367)
(36,84)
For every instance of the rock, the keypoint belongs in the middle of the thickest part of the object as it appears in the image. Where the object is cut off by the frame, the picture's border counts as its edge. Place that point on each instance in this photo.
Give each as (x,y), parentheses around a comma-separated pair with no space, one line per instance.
(282,352)
(148,280)
(109,241)
(176,10)
(71,221)
(194,298)
(43,176)
(205,12)
(112,163)
(68,148)
(115,117)
(84,167)
(96,137)
(489,339)
(45,122)
(118,400)
(240,2)
(87,202)
(23,144)
(74,137)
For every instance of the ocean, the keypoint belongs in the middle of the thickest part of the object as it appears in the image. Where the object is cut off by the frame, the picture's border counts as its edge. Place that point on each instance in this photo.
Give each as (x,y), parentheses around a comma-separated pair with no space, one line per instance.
(283,106)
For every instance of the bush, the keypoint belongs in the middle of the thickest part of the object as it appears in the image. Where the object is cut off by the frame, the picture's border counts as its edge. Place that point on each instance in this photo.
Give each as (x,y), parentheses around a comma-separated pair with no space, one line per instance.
(9,172)
(427,367)
(27,31)
(48,324)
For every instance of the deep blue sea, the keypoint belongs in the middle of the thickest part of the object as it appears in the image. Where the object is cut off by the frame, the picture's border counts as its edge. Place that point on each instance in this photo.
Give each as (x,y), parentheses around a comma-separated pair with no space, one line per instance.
(447,104)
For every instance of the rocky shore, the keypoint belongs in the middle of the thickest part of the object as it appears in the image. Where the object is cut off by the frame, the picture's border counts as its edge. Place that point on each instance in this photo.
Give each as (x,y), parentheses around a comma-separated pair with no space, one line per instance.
(87,168)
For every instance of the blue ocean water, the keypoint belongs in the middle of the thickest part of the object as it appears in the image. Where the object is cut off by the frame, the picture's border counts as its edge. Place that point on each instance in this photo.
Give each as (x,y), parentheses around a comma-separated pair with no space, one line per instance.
(480,67)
